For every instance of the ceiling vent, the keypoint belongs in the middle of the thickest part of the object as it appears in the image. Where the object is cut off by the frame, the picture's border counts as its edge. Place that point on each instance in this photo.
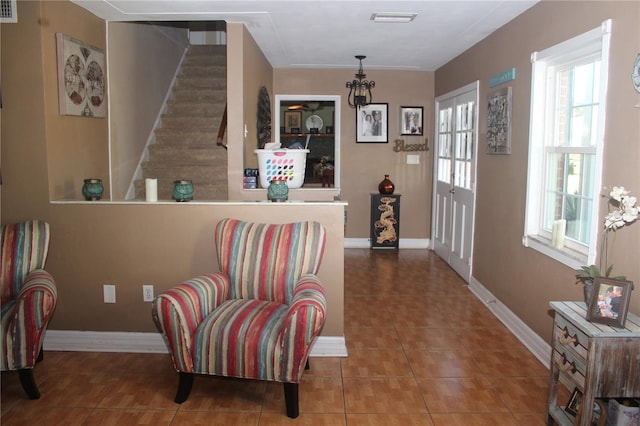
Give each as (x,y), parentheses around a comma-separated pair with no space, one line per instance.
(8,11)
(393,18)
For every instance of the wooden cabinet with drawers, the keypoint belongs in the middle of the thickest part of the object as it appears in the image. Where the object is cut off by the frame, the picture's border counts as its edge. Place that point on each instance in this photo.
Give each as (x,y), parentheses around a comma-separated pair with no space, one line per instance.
(601,361)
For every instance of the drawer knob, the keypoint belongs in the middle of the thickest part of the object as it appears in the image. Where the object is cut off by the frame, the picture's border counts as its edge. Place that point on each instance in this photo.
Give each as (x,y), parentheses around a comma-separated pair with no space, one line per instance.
(565,338)
(567,366)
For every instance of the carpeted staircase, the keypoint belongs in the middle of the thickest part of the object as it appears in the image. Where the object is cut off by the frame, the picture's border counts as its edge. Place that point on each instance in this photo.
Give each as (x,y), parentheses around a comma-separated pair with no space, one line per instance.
(185,143)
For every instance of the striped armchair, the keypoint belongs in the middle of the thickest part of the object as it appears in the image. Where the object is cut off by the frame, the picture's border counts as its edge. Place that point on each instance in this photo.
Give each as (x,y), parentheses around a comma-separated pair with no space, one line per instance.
(28,298)
(256,318)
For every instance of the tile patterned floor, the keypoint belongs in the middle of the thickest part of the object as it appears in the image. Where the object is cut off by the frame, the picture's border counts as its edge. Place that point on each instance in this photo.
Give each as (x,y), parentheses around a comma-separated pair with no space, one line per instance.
(422,349)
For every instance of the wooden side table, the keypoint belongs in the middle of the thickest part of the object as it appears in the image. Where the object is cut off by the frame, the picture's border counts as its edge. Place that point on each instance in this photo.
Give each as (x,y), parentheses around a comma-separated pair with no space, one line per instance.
(601,361)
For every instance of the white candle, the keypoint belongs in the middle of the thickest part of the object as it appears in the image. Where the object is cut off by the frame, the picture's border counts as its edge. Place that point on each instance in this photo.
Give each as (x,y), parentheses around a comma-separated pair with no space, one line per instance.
(558,233)
(151,189)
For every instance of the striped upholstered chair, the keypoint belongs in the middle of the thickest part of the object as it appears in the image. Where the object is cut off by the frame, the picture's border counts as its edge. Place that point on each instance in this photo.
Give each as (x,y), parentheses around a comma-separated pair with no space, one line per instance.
(28,298)
(258,316)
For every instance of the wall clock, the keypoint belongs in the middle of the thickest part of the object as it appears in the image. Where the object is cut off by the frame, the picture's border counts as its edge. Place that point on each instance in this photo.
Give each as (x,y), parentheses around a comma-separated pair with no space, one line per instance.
(635,75)
(314,122)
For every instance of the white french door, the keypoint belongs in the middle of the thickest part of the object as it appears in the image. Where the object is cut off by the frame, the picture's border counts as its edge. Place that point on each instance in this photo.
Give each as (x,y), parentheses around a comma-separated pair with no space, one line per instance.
(455,177)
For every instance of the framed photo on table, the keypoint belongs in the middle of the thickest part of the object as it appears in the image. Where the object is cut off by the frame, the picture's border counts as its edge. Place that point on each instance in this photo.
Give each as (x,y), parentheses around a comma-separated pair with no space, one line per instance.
(609,301)
(372,123)
(411,121)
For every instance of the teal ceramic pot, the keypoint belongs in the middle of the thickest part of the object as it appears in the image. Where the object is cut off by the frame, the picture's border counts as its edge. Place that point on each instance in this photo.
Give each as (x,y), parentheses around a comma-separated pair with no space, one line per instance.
(92,189)
(278,190)
(182,190)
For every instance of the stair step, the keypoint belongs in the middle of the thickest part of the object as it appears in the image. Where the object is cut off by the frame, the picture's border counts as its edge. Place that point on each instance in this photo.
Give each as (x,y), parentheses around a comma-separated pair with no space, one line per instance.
(201,190)
(186,137)
(197,108)
(193,155)
(212,95)
(203,70)
(198,59)
(207,50)
(190,122)
(201,83)
(212,172)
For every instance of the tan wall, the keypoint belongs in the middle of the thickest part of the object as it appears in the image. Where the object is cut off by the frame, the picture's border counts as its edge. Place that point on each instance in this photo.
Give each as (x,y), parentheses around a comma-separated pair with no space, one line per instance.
(365,164)
(20,169)
(247,71)
(77,147)
(143,59)
(522,278)
(97,243)
(134,244)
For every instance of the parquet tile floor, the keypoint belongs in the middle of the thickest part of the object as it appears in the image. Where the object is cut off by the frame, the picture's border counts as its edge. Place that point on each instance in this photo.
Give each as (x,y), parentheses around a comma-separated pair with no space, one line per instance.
(423,350)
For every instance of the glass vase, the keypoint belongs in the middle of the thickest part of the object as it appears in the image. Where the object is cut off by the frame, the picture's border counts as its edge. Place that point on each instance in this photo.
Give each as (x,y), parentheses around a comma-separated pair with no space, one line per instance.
(386,186)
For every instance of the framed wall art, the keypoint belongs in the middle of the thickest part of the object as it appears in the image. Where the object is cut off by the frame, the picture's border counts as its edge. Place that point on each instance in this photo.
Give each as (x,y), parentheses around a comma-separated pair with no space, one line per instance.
(609,301)
(411,121)
(81,78)
(292,121)
(372,123)
(499,125)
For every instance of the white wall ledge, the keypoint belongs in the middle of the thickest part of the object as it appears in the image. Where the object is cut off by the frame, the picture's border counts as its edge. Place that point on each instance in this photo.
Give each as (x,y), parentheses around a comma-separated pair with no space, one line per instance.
(200,202)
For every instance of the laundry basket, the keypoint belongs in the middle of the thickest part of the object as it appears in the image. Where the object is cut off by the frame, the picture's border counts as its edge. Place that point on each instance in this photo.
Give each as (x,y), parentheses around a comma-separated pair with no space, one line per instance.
(287,164)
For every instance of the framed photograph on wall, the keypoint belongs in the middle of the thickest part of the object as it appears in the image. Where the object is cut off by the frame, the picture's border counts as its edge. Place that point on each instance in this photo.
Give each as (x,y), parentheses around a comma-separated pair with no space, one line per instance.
(372,123)
(609,301)
(292,121)
(499,122)
(411,121)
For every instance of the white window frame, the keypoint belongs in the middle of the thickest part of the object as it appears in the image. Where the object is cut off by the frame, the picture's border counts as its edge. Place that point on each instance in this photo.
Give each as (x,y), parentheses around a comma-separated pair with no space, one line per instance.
(583,45)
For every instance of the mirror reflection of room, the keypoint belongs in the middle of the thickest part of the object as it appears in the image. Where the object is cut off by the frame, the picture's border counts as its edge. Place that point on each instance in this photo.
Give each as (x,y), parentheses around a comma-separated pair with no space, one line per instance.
(310,124)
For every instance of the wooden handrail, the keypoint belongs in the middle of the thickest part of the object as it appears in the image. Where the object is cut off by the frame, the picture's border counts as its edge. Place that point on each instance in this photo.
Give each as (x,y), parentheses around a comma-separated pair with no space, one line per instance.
(222,129)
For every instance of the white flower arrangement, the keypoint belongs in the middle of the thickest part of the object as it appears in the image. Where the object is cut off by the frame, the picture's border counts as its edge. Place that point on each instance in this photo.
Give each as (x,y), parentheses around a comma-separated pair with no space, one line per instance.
(626,213)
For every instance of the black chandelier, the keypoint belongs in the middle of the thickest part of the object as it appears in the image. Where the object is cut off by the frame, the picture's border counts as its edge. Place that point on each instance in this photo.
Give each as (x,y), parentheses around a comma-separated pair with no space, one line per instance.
(360,87)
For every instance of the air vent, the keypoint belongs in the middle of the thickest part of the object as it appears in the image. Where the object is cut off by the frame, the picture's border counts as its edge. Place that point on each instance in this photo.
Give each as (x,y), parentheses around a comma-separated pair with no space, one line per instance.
(393,18)
(8,11)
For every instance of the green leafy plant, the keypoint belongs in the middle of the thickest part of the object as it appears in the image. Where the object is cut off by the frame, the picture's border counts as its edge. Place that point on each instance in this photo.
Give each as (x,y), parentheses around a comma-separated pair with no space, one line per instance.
(587,274)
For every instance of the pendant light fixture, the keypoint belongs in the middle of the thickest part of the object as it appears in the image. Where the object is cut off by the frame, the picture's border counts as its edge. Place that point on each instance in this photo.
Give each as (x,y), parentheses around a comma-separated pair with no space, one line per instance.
(360,89)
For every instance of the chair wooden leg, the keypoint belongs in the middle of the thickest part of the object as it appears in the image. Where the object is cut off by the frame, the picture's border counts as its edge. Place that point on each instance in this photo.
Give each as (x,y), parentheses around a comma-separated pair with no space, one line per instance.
(184,387)
(28,383)
(291,399)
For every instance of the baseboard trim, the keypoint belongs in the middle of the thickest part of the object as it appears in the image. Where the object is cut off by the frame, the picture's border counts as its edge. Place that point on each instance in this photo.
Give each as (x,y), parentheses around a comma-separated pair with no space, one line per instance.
(534,343)
(117,341)
(405,243)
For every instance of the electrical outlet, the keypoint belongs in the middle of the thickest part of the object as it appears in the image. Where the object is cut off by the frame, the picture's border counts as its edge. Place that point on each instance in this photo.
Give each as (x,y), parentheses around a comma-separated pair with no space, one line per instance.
(147,293)
(109,293)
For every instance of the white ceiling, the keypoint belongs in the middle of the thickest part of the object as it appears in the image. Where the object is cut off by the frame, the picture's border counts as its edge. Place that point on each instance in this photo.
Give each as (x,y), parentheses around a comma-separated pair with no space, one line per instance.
(329,33)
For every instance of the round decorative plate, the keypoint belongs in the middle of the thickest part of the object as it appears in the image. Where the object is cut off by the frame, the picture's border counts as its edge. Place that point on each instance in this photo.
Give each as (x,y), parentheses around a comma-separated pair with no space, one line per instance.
(635,76)
(314,122)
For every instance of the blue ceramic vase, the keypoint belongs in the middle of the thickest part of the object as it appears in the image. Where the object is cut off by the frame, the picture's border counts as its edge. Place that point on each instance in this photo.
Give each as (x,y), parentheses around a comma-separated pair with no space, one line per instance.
(92,189)
(278,191)
(182,190)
